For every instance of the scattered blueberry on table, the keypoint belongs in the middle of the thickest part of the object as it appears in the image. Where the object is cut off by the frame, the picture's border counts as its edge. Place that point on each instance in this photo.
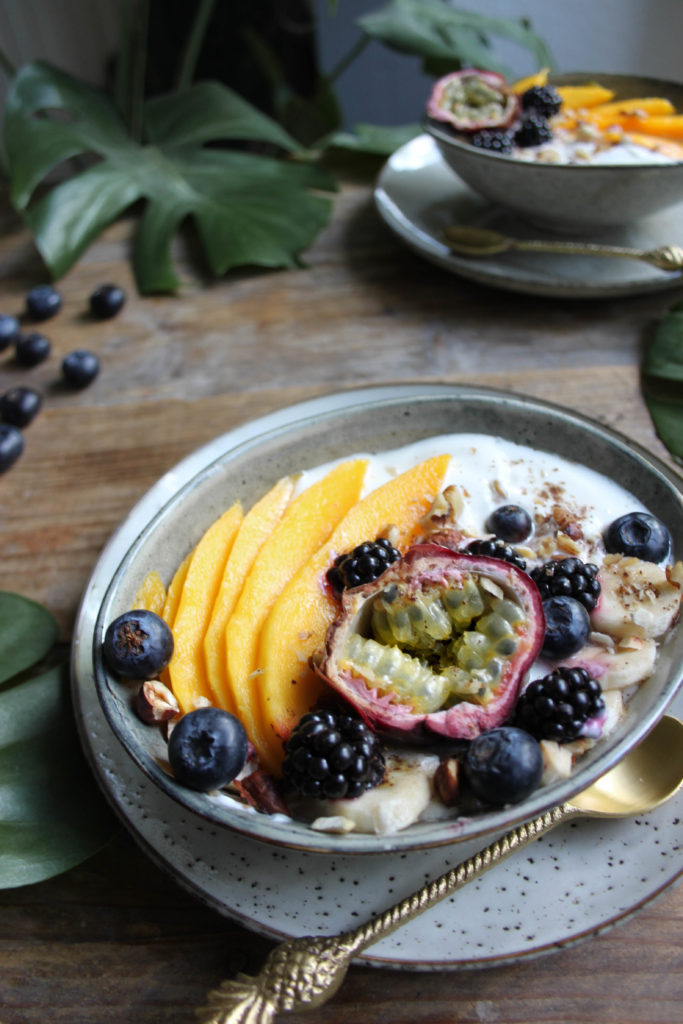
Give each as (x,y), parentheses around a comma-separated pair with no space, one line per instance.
(11,445)
(9,330)
(20,405)
(80,367)
(106,301)
(43,301)
(32,349)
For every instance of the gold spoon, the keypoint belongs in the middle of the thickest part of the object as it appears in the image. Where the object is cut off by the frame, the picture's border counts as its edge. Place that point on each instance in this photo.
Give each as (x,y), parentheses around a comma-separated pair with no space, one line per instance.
(303,973)
(472,241)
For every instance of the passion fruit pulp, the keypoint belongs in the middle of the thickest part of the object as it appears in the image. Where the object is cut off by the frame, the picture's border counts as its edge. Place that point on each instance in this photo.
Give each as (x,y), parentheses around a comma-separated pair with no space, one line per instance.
(440,642)
(471,100)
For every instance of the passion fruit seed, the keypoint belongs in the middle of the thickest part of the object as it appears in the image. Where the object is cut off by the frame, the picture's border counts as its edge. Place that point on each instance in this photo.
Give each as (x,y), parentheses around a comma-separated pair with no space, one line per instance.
(432,648)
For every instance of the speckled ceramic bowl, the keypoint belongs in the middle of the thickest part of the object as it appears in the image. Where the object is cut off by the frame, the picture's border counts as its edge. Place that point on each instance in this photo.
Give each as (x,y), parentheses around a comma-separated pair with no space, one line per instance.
(168,521)
(571,198)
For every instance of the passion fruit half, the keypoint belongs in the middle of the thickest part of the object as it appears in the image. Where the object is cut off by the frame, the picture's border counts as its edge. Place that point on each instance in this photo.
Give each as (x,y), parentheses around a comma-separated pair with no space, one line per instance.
(440,642)
(471,100)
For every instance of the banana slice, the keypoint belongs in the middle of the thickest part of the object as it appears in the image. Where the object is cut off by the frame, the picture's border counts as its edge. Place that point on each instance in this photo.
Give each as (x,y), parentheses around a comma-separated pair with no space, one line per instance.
(638,598)
(405,793)
(627,664)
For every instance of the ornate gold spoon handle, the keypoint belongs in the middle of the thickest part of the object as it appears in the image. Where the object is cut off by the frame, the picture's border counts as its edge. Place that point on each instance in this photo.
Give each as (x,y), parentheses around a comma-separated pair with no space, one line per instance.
(304,973)
(668,257)
(467,240)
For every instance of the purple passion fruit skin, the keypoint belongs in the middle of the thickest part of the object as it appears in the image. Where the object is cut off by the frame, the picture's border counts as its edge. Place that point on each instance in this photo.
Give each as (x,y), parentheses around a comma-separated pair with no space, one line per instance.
(470,100)
(439,644)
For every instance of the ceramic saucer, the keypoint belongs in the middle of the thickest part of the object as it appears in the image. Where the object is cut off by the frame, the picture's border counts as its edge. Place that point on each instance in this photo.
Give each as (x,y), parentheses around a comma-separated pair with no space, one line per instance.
(418,196)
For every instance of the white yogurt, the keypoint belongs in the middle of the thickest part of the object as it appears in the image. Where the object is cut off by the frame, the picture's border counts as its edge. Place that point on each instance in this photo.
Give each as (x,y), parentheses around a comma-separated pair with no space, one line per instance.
(491,471)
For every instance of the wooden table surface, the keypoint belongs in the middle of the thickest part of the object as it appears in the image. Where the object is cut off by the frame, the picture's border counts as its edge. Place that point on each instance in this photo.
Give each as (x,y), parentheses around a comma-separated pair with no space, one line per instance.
(117,939)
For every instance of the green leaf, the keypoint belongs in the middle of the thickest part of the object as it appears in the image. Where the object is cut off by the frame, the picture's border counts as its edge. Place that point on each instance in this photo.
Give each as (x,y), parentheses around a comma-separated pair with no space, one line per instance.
(662,375)
(248,208)
(447,37)
(374,139)
(27,634)
(52,816)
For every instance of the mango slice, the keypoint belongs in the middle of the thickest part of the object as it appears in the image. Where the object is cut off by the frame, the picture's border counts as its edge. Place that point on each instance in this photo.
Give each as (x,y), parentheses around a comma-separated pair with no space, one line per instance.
(256,526)
(175,589)
(578,96)
(522,84)
(614,112)
(300,617)
(668,126)
(204,573)
(151,594)
(674,150)
(306,524)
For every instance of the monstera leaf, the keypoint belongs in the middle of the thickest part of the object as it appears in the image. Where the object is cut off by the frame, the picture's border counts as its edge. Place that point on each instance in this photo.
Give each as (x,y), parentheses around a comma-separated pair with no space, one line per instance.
(52,816)
(446,37)
(247,208)
(663,380)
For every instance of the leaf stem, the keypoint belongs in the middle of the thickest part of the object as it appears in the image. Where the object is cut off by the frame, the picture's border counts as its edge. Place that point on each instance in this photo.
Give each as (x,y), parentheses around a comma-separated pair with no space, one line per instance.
(130,74)
(195,40)
(7,65)
(341,65)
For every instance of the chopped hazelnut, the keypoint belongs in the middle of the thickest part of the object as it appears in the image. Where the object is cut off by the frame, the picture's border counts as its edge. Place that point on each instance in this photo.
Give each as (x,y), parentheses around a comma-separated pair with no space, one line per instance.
(155,703)
(447,781)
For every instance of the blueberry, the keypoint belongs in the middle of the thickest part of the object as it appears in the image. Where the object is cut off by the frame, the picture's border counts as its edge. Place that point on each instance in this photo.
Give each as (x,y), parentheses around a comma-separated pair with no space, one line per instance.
(11,445)
(106,301)
(138,645)
(20,405)
(638,534)
(80,367)
(567,626)
(43,301)
(504,765)
(207,749)
(32,349)
(511,523)
(9,331)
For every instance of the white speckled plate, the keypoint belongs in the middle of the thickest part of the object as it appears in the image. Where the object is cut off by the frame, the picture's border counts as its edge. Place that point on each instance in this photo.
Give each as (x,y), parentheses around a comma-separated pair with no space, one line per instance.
(569,885)
(418,196)
(574,882)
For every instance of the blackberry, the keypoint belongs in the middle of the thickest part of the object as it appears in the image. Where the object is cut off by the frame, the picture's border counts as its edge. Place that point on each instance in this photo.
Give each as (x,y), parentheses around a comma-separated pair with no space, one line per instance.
(332,754)
(532,132)
(496,548)
(543,99)
(568,577)
(364,564)
(494,142)
(557,706)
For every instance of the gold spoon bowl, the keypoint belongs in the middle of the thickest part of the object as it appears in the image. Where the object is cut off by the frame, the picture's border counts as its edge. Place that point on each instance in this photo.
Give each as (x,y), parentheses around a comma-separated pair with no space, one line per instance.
(467,240)
(304,973)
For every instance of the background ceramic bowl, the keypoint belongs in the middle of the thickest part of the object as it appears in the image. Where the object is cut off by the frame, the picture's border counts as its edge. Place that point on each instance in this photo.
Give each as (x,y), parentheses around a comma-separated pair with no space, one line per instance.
(569,198)
(169,520)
